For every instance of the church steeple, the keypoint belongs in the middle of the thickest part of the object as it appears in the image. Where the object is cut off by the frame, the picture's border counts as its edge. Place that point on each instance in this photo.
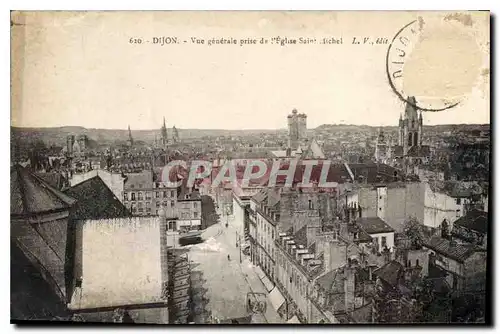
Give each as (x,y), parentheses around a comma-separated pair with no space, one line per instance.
(164,133)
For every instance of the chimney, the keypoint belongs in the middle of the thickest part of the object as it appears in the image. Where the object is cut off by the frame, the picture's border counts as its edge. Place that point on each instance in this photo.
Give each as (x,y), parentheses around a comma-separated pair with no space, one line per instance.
(387,255)
(453,242)
(349,287)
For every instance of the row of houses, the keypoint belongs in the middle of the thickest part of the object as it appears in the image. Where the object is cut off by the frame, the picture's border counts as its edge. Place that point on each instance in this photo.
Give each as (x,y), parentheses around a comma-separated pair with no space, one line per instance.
(324,255)
(145,194)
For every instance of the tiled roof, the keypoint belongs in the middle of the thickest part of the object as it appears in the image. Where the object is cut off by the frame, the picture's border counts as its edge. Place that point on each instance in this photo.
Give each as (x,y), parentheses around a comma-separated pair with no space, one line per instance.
(474,220)
(373,225)
(95,201)
(29,194)
(31,296)
(391,273)
(458,252)
(326,281)
(362,235)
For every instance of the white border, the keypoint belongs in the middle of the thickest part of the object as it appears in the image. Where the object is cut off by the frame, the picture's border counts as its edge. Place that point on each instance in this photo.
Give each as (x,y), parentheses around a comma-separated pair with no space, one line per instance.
(194,5)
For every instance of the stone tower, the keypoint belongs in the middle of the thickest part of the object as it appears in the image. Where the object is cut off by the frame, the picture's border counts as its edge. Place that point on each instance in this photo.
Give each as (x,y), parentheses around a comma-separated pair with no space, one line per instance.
(297,128)
(381,147)
(410,127)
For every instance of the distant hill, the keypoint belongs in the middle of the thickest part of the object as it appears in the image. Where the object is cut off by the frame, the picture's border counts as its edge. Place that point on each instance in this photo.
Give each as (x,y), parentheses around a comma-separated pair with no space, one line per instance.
(57,135)
(442,127)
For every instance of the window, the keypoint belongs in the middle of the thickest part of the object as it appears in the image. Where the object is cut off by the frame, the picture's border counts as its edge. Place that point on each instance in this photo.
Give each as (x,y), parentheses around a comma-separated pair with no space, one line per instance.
(164,194)
(139,196)
(157,194)
(140,185)
(380,209)
(125,196)
(409,263)
(384,242)
(148,195)
(195,205)
(131,186)
(172,193)
(417,263)
(195,214)
(273,234)
(458,201)
(133,196)
(172,203)
(311,205)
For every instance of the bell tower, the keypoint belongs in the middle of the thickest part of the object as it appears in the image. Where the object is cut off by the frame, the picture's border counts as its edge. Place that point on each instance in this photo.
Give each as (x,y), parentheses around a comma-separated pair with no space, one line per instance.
(410,128)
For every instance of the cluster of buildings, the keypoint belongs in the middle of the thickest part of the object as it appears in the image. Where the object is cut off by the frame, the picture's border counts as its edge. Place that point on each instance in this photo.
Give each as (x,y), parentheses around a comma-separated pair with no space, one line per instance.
(382,247)
(397,240)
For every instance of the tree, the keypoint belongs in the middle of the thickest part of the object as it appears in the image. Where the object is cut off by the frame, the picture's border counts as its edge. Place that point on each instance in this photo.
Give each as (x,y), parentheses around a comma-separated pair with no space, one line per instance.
(413,230)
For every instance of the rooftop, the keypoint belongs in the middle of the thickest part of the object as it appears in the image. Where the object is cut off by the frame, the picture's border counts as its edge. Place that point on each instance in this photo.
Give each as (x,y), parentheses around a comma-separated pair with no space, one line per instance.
(30,195)
(95,201)
(374,225)
(455,251)
(474,220)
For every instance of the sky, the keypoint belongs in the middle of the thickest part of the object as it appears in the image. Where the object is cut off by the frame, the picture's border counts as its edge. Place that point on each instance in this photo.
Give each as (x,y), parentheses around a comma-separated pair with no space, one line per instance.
(80,69)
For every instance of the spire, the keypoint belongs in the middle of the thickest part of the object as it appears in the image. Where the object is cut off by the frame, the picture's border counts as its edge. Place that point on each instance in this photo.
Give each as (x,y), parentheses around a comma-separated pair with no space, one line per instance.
(164,133)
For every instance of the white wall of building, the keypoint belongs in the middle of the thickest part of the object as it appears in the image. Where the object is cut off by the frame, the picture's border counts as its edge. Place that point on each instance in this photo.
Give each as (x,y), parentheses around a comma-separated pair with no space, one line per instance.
(389,238)
(440,206)
(119,261)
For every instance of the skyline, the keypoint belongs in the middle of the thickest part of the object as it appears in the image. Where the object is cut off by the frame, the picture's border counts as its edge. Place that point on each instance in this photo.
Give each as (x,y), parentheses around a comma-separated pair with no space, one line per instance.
(89,75)
(244,129)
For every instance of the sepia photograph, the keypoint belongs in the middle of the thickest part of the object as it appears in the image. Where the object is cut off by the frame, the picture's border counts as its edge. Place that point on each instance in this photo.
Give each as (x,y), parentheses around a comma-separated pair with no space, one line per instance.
(250,167)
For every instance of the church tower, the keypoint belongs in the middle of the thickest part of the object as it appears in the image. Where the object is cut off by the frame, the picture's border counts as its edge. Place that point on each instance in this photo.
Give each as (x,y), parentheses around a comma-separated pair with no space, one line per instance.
(410,127)
(381,147)
(297,129)
(164,139)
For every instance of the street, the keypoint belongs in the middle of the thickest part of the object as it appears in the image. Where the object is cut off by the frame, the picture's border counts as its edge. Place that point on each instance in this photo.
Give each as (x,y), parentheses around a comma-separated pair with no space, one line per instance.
(227,282)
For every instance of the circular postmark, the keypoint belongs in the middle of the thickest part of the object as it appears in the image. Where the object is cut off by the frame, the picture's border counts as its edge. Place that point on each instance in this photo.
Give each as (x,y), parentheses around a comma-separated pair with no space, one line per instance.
(432,69)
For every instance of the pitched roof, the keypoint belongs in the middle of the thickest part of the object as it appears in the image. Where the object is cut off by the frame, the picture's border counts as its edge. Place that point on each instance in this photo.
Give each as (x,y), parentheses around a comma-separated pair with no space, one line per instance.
(390,272)
(327,280)
(474,220)
(31,296)
(30,195)
(55,179)
(458,252)
(373,225)
(95,201)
